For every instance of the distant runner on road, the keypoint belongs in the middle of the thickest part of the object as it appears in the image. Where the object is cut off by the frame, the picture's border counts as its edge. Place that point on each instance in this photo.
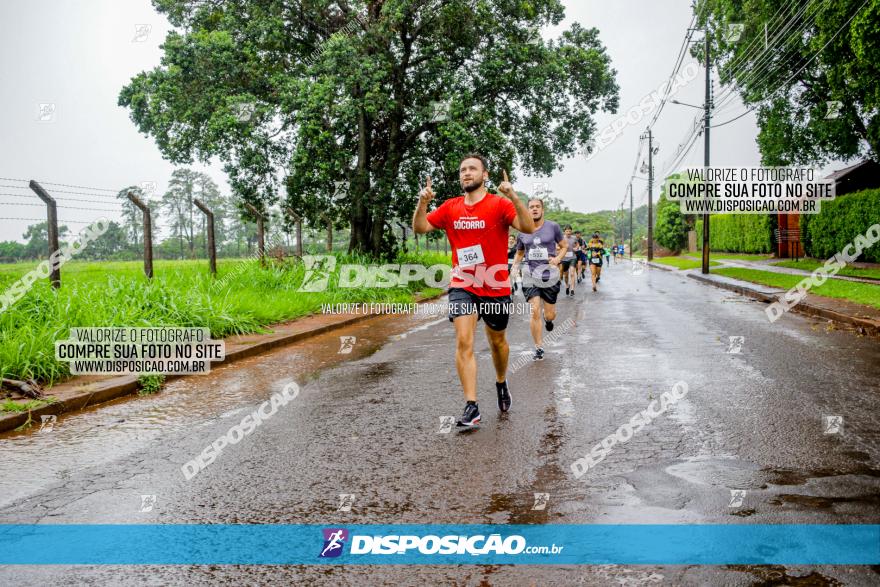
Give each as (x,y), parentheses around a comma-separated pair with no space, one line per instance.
(477,225)
(581,256)
(543,250)
(569,262)
(595,248)
(511,253)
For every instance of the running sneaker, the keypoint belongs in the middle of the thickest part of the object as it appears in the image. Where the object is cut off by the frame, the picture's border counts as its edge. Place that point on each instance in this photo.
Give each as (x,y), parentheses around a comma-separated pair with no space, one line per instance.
(471,415)
(548,324)
(539,354)
(504,399)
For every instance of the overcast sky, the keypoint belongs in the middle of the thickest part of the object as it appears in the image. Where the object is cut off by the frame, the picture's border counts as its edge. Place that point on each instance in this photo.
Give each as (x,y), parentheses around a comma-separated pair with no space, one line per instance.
(77,54)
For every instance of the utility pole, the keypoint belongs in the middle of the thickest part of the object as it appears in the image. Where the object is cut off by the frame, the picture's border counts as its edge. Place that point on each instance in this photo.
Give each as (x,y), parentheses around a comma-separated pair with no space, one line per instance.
(630,220)
(708,106)
(650,199)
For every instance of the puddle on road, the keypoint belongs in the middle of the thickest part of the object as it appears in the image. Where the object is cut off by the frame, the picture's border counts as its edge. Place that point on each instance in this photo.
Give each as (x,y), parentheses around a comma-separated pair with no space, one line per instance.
(768,575)
(31,460)
(718,471)
(820,502)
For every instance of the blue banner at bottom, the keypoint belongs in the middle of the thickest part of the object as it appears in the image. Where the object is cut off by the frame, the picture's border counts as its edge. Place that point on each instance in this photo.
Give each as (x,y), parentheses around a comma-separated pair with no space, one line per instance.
(562,544)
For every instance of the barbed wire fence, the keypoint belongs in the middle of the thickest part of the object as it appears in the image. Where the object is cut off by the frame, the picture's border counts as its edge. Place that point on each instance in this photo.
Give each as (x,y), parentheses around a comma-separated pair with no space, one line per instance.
(21,199)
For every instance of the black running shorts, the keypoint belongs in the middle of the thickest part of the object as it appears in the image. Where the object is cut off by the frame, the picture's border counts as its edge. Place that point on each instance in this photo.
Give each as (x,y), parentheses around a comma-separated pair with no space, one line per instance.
(494,311)
(548,293)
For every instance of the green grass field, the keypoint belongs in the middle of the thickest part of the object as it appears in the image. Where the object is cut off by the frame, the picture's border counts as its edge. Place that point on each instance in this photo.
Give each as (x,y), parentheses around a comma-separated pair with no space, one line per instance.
(731,256)
(182,293)
(811,264)
(861,293)
(681,262)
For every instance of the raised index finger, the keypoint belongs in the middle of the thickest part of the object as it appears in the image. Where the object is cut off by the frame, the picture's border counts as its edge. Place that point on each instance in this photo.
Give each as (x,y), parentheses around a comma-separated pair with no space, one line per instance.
(505,176)
(428,182)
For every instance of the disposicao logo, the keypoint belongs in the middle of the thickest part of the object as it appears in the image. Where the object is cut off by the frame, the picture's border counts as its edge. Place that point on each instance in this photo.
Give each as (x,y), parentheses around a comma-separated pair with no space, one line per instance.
(334,541)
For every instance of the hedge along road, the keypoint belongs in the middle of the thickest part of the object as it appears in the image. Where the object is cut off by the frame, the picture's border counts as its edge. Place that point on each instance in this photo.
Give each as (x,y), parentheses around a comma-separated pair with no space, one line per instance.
(367,424)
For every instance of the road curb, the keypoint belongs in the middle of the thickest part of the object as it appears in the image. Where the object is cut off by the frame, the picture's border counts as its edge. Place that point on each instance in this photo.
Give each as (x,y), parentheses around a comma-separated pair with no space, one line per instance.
(663,267)
(103,391)
(870,327)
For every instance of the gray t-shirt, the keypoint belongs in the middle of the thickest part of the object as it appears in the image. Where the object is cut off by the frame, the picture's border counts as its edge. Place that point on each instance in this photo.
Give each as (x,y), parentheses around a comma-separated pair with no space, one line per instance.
(540,246)
(569,253)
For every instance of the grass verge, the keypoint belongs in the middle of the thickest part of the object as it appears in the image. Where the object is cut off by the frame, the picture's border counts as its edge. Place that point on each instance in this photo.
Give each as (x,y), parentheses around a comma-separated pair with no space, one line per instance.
(681,262)
(242,298)
(811,264)
(860,293)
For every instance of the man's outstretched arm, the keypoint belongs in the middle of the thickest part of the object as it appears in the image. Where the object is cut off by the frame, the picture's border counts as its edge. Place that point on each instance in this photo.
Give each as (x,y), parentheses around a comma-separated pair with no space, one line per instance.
(523,221)
(420,224)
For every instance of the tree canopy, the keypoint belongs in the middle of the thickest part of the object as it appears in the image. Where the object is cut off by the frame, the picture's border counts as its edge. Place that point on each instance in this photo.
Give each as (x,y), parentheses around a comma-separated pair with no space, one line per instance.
(811,70)
(339,108)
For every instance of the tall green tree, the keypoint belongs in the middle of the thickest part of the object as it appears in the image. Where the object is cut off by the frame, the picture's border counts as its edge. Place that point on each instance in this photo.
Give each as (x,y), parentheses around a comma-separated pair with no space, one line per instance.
(109,245)
(816,52)
(671,230)
(37,237)
(132,217)
(12,251)
(177,203)
(302,95)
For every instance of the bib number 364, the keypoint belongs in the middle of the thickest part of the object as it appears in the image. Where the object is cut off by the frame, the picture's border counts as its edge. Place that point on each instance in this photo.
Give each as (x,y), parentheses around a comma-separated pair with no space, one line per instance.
(470,256)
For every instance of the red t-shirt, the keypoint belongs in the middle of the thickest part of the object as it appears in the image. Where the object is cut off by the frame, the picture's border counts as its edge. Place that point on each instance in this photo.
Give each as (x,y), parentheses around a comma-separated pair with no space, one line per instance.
(478,235)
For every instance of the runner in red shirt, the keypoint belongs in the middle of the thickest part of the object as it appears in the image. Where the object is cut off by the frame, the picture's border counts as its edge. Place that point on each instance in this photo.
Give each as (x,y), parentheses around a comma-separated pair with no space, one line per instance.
(477,224)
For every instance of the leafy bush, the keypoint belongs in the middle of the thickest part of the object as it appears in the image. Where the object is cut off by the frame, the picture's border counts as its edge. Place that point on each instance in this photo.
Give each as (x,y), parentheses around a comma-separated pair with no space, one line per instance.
(739,233)
(839,222)
(671,229)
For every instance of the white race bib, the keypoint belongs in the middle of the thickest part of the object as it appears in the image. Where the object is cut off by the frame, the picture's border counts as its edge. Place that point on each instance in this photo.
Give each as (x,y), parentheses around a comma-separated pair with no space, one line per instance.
(538,254)
(568,255)
(596,260)
(470,256)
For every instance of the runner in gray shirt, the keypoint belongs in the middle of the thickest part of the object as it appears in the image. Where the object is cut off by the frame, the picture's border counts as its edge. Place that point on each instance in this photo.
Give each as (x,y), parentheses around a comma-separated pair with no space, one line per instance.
(543,250)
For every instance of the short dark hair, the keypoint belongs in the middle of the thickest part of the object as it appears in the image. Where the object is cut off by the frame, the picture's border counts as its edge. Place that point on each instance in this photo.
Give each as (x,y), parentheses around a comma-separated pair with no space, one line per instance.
(482,159)
(567,227)
(536,200)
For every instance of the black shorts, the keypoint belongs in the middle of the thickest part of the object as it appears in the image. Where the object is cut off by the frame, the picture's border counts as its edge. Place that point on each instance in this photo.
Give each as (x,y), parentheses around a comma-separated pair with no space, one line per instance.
(494,311)
(548,293)
(582,257)
(567,264)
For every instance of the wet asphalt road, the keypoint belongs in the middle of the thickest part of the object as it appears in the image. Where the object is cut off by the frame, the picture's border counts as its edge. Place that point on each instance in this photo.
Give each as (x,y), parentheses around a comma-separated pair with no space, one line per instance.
(368,423)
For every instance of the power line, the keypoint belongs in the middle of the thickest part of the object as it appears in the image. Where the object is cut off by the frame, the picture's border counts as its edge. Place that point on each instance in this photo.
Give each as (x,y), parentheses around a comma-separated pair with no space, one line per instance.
(679,59)
(753,50)
(680,157)
(804,66)
(762,64)
(732,119)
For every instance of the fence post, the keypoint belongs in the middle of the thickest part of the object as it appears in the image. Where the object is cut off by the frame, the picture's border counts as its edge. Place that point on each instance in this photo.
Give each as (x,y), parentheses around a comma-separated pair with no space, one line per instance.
(299,231)
(261,243)
(403,234)
(329,232)
(52,224)
(212,249)
(148,235)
